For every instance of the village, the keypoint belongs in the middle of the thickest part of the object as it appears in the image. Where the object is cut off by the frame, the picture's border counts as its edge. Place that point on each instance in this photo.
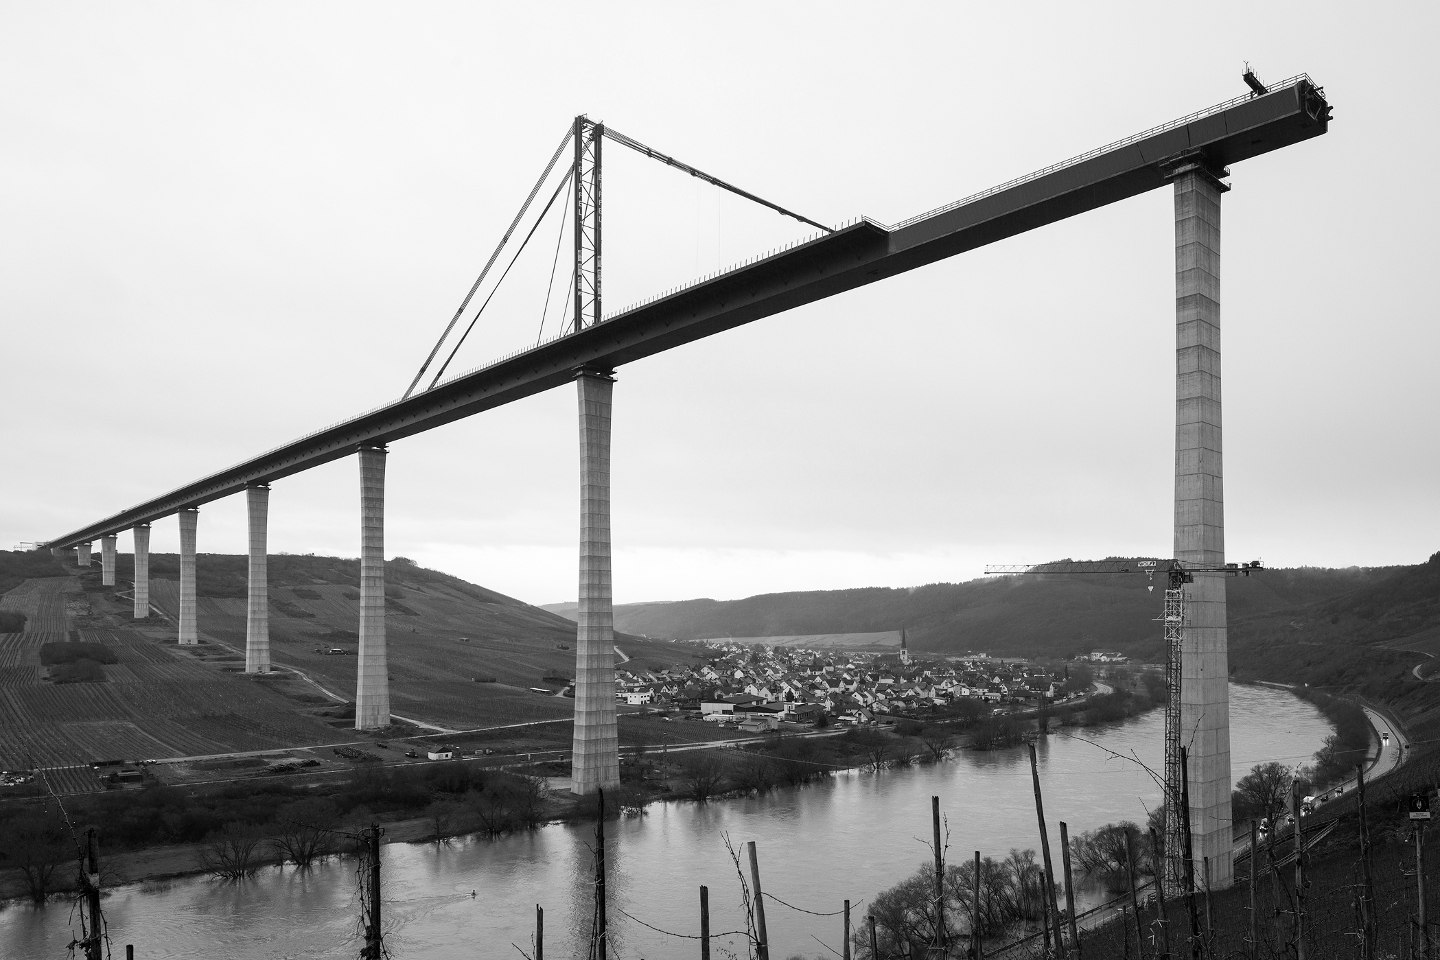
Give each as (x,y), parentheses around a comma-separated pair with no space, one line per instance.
(758,688)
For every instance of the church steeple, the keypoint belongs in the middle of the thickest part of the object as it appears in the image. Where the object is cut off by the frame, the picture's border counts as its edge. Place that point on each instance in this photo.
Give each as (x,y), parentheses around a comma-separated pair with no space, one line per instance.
(904,650)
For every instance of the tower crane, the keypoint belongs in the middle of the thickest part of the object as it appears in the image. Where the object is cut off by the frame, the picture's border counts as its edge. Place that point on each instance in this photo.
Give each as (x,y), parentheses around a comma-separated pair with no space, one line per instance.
(1177,574)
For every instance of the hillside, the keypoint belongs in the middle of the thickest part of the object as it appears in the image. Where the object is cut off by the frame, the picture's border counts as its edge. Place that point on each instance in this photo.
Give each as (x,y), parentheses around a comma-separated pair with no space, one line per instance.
(146,697)
(1343,628)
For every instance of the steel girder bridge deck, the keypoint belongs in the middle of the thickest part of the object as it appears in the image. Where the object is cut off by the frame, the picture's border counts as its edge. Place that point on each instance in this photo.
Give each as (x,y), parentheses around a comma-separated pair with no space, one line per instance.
(852,256)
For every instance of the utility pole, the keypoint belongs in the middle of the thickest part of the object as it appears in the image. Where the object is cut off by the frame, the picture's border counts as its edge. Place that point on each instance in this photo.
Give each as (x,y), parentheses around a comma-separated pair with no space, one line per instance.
(1049,893)
(762,948)
(939,947)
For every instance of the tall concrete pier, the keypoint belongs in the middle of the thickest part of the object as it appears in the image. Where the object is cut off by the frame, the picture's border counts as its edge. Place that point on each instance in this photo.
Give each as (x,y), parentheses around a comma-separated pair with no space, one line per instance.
(1200,512)
(189,520)
(257,619)
(596,761)
(107,560)
(372,682)
(82,554)
(142,570)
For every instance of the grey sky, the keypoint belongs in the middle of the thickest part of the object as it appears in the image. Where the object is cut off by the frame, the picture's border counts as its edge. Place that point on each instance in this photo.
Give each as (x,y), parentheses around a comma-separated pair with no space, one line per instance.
(225,226)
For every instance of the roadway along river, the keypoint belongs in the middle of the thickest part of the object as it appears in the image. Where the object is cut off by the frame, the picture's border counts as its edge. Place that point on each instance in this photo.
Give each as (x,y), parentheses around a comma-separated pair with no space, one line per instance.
(851,837)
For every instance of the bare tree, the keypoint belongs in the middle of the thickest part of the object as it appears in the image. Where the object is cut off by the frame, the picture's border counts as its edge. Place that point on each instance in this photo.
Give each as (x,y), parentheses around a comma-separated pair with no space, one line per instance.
(232,852)
(441,815)
(938,742)
(305,832)
(1100,853)
(1263,792)
(35,844)
(702,772)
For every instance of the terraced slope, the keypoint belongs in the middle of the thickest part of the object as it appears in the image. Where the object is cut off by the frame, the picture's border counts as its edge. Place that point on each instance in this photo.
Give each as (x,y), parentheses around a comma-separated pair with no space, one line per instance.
(155,702)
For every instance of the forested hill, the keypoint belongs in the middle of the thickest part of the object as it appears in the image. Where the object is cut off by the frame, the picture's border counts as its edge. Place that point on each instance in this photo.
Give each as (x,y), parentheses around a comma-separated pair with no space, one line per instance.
(1068,615)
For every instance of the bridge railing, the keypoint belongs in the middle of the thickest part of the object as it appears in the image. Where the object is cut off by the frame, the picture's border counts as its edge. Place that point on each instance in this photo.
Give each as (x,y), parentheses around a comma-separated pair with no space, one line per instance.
(1089,154)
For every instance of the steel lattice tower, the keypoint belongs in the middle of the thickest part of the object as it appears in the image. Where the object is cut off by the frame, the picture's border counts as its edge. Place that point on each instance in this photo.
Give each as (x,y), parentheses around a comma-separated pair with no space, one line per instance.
(1174,833)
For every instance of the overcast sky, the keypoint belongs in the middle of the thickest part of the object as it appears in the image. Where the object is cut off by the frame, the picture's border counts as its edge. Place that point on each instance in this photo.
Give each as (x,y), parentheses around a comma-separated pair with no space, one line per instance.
(224,226)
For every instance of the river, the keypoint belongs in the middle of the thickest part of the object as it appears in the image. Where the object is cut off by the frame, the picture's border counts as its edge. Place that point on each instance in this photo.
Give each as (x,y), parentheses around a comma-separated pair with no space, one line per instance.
(852,836)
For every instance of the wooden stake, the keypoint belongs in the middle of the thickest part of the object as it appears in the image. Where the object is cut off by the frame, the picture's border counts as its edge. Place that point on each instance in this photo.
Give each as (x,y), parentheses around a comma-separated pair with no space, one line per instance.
(1162,914)
(705,922)
(977,940)
(1196,941)
(1299,871)
(762,948)
(874,943)
(1070,888)
(1367,903)
(1209,921)
(940,938)
(1134,898)
(1049,893)
(1254,862)
(845,955)
(1125,928)
(94,936)
(600,919)
(1420,889)
(539,932)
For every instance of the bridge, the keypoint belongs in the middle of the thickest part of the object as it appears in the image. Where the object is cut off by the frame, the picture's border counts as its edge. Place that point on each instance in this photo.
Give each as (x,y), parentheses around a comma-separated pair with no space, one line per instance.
(1191,154)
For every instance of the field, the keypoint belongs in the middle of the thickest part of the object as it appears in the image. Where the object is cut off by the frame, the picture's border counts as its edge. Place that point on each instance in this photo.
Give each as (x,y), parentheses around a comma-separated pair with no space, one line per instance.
(161,701)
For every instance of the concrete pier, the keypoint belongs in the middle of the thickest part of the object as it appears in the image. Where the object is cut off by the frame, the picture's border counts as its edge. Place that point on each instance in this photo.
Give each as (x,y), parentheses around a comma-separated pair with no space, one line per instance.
(257,619)
(1200,512)
(596,758)
(142,571)
(372,682)
(82,554)
(107,560)
(189,520)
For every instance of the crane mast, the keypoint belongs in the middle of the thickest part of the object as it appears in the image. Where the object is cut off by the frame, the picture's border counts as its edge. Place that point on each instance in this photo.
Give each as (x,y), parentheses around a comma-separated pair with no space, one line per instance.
(1177,575)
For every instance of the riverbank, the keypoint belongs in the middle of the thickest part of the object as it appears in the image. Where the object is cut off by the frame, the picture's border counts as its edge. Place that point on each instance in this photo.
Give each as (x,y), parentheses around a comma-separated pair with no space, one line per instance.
(459,798)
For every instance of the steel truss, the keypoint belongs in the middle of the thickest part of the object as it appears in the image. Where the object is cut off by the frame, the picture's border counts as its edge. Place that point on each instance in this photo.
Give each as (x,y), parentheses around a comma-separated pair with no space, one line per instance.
(588,138)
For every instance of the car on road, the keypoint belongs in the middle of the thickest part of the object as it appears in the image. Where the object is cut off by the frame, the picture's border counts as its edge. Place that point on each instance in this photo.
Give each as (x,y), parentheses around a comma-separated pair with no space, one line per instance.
(411,753)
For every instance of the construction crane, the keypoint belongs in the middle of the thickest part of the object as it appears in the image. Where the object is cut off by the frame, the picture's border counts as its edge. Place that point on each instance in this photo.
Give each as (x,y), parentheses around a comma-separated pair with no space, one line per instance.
(1177,574)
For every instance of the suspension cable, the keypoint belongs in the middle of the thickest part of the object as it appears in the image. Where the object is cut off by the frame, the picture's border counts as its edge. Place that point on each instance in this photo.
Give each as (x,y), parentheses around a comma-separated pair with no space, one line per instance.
(569,131)
(555,263)
(496,289)
(639,147)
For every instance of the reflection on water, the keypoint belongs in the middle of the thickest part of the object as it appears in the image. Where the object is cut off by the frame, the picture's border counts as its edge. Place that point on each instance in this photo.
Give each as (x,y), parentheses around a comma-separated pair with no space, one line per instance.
(849,837)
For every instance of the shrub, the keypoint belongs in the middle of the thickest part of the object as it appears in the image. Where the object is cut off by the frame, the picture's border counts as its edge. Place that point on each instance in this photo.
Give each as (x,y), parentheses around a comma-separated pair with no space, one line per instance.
(81,671)
(12,621)
(70,651)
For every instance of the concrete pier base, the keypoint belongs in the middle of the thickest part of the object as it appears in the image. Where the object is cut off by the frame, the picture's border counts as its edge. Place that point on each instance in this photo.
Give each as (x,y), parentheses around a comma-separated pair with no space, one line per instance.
(142,571)
(1200,513)
(596,753)
(82,554)
(56,551)
(107,560)
(257,620)
(189,629)
(372,681)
